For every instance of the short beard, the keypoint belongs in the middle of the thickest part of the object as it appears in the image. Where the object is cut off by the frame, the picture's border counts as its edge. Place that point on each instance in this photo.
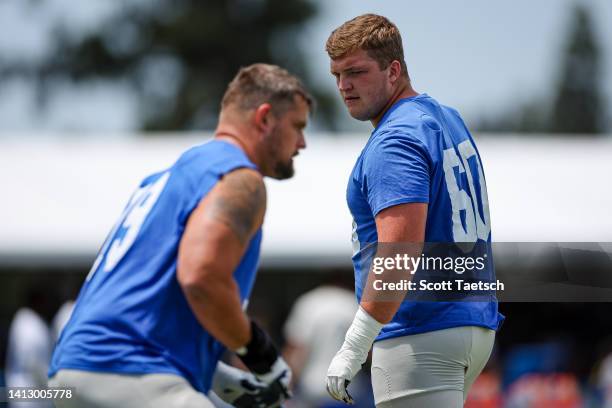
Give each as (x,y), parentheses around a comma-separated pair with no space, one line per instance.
(280,170)
(283,171)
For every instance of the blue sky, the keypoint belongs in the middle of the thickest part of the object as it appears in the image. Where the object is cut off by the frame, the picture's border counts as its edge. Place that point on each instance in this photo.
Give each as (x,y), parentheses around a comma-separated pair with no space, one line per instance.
(481,56)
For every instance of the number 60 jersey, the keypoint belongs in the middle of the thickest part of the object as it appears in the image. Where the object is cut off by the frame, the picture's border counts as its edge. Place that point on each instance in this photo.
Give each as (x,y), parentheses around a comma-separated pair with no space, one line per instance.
(131,316)
(422,152)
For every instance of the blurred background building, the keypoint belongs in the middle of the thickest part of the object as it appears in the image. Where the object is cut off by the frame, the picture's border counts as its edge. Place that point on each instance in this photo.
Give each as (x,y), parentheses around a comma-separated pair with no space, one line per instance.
(95,96)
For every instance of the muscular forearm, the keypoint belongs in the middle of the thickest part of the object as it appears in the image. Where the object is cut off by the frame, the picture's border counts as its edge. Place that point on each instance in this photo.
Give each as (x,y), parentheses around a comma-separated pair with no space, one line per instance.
(383,304)
(383,312)
(217,307)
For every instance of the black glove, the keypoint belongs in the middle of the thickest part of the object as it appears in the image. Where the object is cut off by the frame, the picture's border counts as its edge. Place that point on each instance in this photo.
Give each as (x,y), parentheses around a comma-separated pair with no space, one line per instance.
(262,358)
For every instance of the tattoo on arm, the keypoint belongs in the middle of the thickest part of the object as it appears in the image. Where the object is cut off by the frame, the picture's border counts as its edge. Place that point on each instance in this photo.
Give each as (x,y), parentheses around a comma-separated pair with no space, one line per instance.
(239,203)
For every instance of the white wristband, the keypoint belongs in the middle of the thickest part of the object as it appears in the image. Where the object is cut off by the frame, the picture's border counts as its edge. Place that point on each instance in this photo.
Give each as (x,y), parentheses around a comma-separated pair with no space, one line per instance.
(362,333)
(357,343)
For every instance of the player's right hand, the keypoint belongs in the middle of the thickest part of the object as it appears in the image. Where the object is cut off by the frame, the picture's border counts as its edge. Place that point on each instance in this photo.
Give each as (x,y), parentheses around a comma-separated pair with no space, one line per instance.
(242,389)
(262,358)
(278,378)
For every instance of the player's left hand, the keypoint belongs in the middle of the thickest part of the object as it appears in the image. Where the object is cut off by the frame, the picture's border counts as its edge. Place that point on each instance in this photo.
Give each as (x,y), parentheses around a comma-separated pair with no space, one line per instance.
(353,353)
(344,366)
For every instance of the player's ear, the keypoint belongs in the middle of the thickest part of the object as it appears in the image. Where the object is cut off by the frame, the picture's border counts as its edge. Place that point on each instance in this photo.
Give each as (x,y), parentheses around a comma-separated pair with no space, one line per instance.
(264,118)
(395,71)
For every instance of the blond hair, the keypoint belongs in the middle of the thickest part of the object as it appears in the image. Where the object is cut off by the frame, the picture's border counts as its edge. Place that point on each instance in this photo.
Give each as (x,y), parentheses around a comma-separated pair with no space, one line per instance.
(264,83)
(375,34)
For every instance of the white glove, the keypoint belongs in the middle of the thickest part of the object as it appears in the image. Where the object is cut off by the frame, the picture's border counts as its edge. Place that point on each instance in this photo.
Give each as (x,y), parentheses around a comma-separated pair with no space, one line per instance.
(242,389)
(353,353)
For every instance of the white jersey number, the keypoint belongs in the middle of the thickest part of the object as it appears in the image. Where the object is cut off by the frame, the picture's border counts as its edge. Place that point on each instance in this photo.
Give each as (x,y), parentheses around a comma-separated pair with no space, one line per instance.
(477,225)
(132,219)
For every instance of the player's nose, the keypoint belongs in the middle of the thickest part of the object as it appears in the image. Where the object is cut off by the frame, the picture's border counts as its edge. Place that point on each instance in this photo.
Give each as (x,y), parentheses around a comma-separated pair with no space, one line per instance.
(301,142)
(344,84)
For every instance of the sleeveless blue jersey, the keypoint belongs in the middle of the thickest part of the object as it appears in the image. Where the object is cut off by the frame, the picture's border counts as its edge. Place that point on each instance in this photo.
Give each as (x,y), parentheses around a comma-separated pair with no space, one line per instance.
(422,152)
(131,316)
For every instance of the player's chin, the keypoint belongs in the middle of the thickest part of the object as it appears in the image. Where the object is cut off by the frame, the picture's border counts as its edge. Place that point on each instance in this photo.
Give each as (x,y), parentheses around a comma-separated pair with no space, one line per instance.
(359,114)
(283,171)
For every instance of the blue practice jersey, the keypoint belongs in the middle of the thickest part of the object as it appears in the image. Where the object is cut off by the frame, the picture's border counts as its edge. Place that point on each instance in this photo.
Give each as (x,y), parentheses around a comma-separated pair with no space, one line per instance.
(131,316)
(422,152)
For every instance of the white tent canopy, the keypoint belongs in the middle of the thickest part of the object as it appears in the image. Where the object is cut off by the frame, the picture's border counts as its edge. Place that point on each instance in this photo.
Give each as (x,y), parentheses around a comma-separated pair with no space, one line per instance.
(60,197)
